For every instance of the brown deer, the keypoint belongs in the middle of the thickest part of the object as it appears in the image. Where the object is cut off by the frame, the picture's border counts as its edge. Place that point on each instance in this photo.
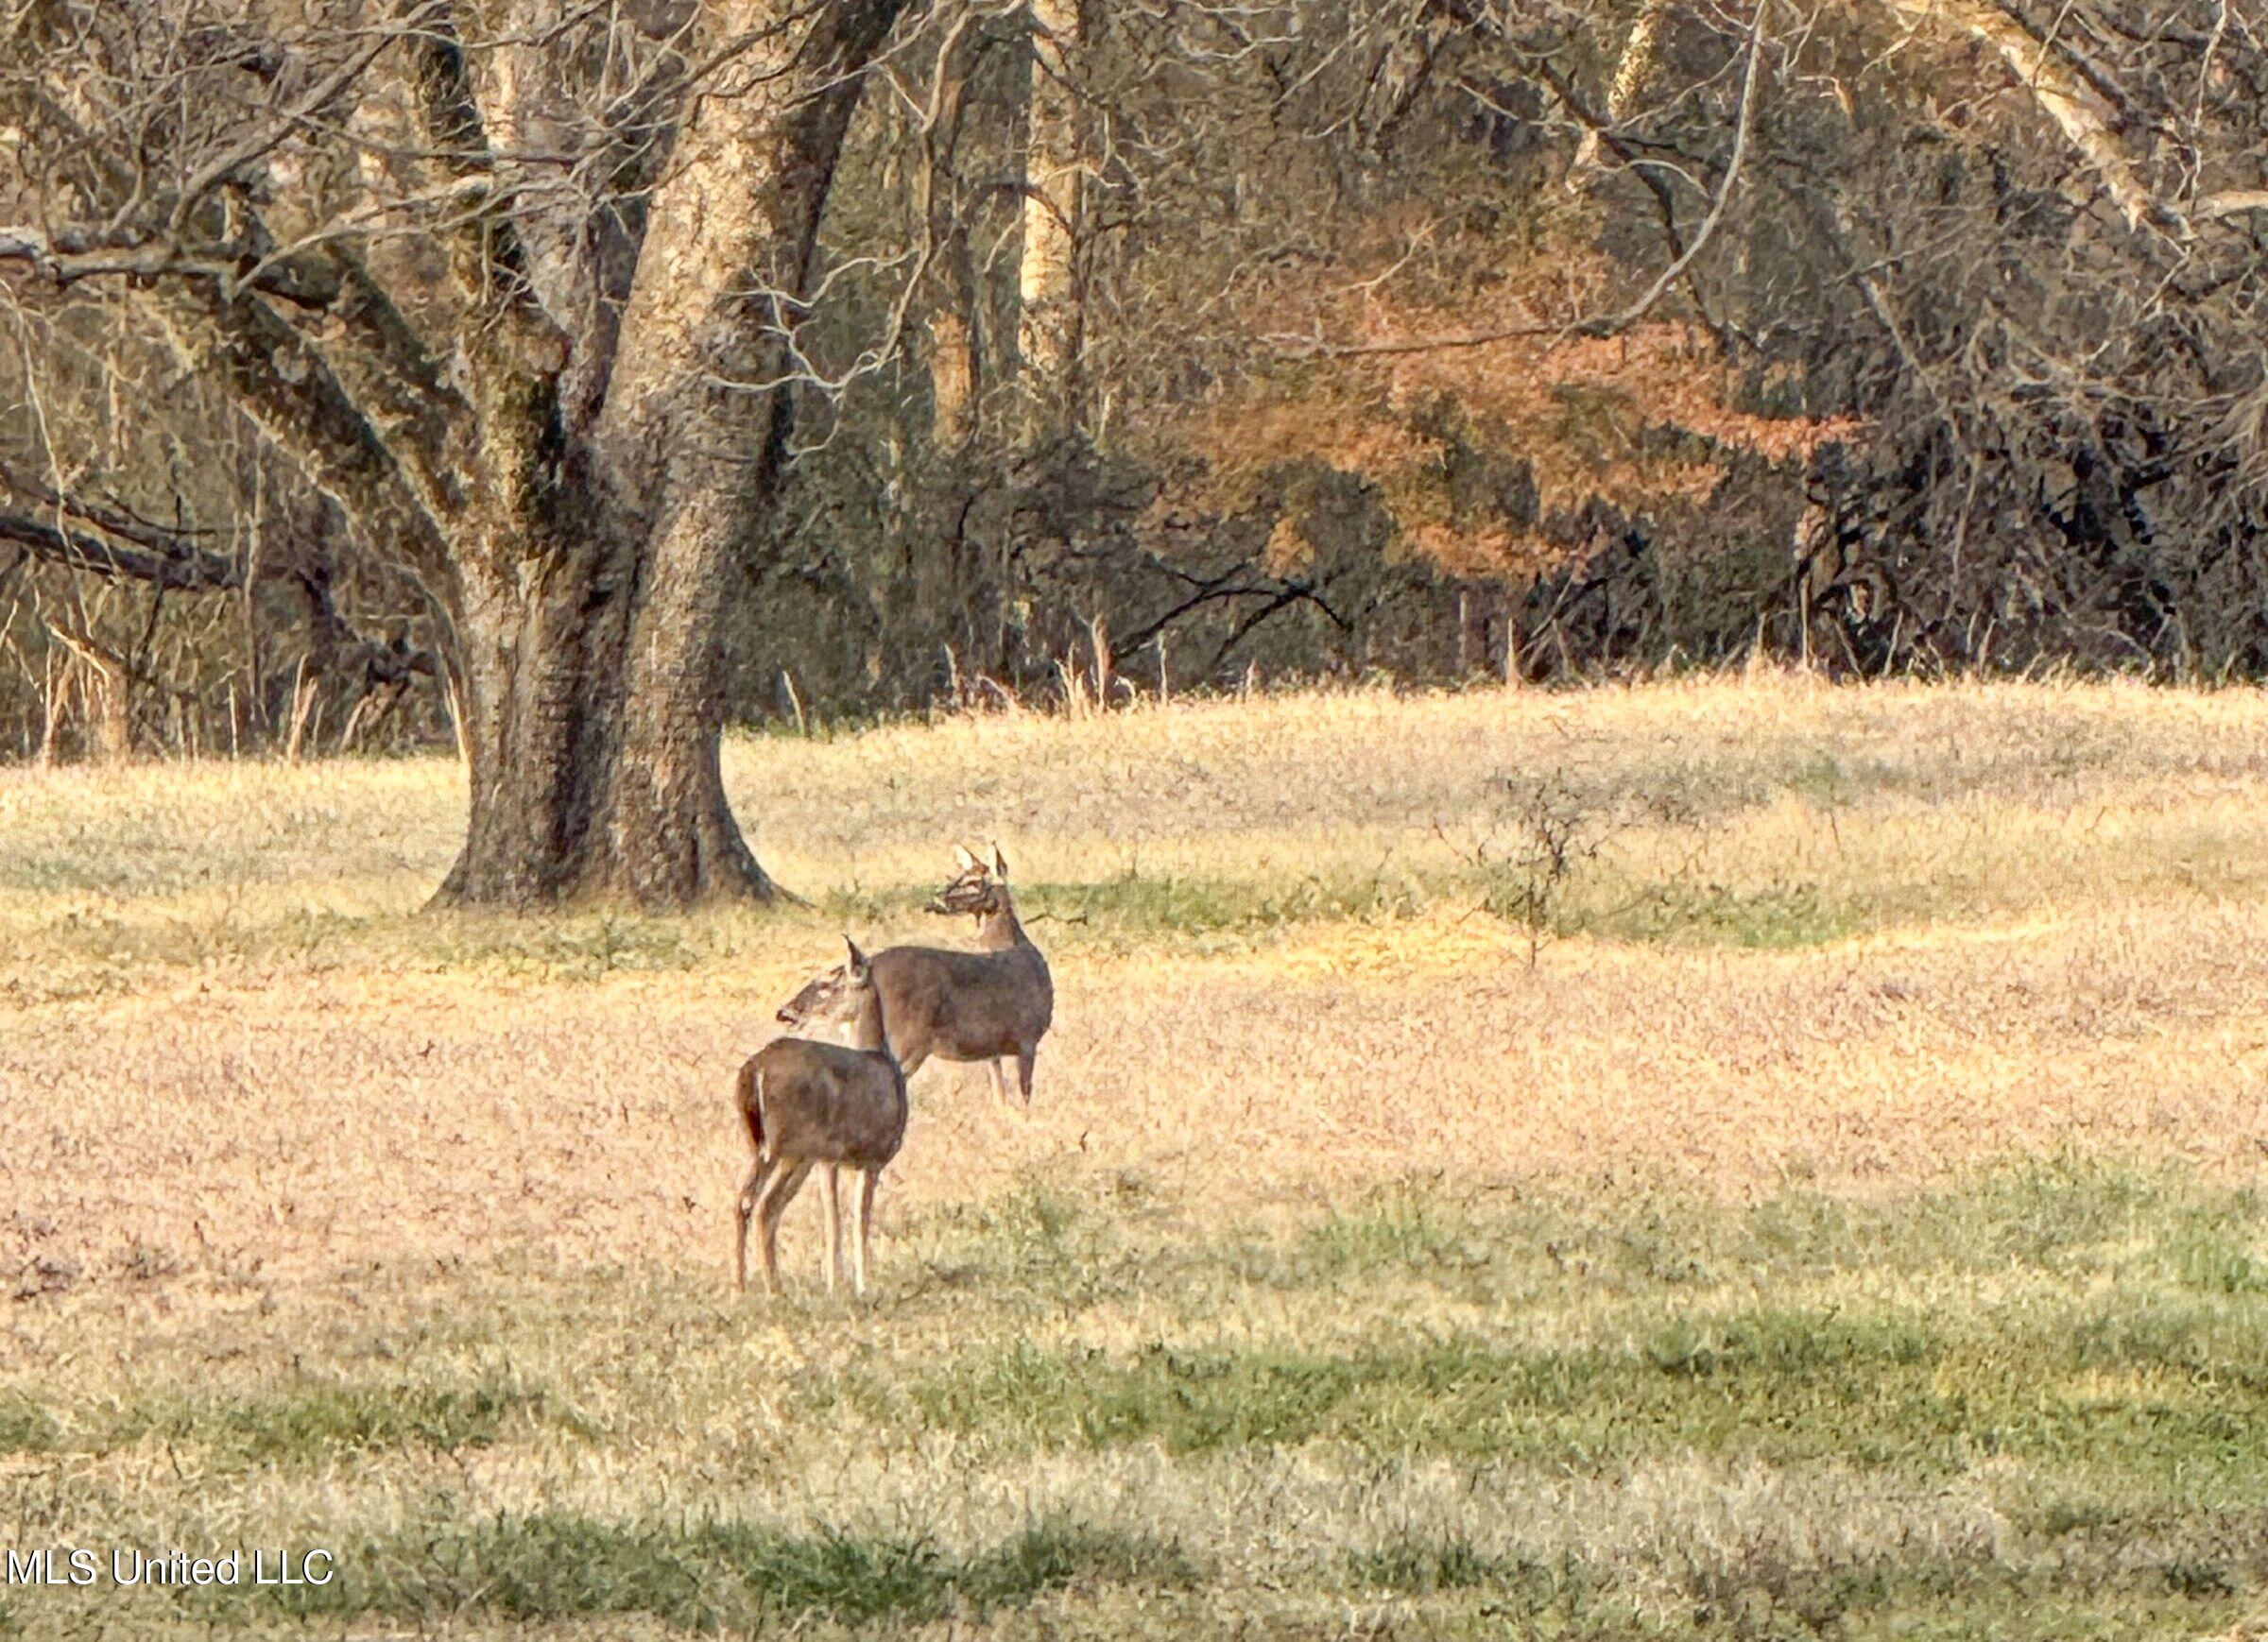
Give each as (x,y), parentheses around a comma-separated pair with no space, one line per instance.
(809,1105)
(985,1006)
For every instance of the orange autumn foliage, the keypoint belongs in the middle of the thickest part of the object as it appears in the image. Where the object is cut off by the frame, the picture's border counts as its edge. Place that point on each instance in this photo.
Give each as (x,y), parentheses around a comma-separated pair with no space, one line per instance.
(1646,420)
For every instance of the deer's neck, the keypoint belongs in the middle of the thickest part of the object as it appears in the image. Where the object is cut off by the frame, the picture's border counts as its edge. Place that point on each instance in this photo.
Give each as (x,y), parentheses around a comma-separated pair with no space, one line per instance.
(869,1032)
(997,931)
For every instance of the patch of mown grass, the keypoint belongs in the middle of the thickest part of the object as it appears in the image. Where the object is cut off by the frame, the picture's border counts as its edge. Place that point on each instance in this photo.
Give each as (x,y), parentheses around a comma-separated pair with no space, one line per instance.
(1061,1551)
(1460,1395)
(2104,1324)
(317,1421)
(2064,1218)
(2216,1265)
(1885,1597)
(567,947)
(720,1575)
(892,904)
(1120,912)
(49,872)
(1036,1239)
(2219,1247)
(1117,914)
(1789,1344)
(88,954)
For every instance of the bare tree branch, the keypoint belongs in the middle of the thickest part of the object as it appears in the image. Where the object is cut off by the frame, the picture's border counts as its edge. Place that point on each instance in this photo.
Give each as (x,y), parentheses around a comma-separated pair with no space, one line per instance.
(1602,324)
(175,565)
(2077,108)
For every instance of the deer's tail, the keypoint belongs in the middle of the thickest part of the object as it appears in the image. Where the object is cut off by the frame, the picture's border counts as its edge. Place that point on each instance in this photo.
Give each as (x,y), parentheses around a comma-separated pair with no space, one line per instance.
(752,1104)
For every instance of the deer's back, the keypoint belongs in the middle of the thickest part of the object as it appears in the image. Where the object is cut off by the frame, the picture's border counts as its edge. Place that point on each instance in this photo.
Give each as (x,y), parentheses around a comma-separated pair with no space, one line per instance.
(826,1104)
(965,1005)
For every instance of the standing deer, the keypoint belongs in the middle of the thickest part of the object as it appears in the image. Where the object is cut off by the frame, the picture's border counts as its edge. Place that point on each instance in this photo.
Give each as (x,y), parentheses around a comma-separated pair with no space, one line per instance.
(985,1006)
(809,1104)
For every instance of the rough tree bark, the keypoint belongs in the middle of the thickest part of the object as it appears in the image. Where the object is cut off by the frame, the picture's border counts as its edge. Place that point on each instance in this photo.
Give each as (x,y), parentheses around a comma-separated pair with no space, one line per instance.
(952,377)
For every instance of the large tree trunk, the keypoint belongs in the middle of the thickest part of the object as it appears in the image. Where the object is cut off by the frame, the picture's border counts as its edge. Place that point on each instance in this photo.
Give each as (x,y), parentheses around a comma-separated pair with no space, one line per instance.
(1048,325)
(595,772)
(955,346)
(592,659)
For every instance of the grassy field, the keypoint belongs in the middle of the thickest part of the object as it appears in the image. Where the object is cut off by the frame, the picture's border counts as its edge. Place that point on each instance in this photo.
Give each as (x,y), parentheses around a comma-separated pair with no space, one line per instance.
(1733,1159)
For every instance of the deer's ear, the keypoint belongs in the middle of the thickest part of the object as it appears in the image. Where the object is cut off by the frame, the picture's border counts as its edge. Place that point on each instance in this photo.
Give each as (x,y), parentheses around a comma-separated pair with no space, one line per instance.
(858,958)
(1000,863)
(962,858)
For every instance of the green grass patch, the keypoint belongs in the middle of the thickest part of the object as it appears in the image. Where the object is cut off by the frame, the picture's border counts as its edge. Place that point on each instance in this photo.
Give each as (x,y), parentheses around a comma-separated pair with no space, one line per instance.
(1734,1386)
(1034,1240)
(1396,1229)
(1759,1591)
(1123,912)
(1135,907)
(1422,1566)
(2178,1395)
(2068,1348)
(710,1575)
(1772,918)
(2057,1216)
(318,1421)
(26,1428)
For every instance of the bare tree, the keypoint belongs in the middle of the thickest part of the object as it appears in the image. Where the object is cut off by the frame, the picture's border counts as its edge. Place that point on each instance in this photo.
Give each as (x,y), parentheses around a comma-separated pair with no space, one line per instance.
(516,285)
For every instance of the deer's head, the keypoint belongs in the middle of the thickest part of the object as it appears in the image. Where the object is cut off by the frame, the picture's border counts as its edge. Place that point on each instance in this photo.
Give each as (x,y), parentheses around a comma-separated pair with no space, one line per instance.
(836,997)
(979,889)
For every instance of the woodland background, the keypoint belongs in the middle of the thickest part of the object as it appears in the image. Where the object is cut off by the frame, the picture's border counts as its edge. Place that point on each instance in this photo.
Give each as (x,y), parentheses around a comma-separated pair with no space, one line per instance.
(1171,345)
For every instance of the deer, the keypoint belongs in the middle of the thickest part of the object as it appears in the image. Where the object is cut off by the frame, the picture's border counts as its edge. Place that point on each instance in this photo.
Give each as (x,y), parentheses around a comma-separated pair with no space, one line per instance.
(808,1105)
(989,1004)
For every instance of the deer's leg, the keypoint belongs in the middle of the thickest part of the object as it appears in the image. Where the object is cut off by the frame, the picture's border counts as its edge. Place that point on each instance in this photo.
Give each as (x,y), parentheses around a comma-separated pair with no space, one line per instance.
(1000,1079)
(771,1203)
(862,1225)
(831,1201)
(756,1204)
(748,1209)
(911,1061)
(1023,1073)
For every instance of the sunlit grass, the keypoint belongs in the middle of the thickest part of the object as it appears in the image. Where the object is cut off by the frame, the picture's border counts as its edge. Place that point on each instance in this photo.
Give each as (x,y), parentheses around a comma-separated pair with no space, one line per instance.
(1829,1207)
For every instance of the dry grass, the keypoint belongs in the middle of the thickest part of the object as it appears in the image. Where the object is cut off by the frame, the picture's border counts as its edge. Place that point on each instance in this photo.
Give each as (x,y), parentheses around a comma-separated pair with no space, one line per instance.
(1350,1274)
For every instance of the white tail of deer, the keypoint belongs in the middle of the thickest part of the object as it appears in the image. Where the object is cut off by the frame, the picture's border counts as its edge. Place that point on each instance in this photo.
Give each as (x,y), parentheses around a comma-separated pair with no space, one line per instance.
(821,1105)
